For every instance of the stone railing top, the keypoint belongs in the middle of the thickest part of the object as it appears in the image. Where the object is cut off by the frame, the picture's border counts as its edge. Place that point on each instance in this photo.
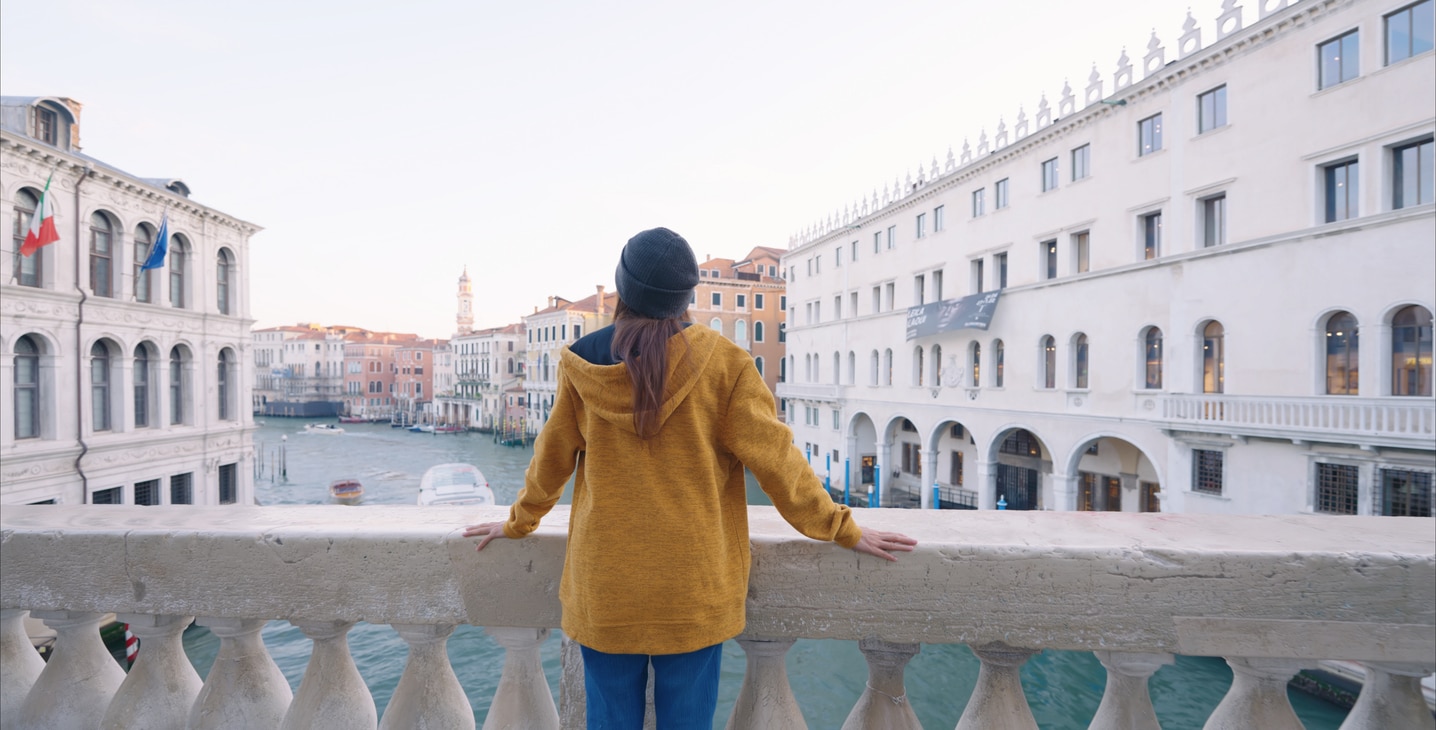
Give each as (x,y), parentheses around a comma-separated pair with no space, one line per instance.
(1360,588)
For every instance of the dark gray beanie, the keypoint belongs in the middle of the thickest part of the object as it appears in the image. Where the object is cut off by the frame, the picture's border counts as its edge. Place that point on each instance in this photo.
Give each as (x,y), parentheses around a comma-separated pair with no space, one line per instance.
(656,274)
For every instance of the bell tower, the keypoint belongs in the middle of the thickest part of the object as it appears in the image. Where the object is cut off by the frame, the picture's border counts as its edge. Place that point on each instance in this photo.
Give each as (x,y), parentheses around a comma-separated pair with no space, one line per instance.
(465,316)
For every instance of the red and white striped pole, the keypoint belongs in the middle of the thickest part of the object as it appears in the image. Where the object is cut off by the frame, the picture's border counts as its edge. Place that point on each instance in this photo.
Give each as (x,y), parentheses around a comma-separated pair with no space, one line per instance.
(132,647)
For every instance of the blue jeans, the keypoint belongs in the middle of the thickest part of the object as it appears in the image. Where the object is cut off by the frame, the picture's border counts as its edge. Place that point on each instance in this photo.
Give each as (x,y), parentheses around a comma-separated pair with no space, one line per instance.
(685,688)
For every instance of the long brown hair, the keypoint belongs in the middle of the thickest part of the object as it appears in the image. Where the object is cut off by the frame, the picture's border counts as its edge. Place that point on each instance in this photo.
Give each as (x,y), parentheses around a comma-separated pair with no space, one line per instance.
(641,343)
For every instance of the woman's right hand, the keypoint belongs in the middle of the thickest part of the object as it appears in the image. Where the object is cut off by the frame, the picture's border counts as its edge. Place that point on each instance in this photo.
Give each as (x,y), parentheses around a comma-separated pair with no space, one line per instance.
(880,543)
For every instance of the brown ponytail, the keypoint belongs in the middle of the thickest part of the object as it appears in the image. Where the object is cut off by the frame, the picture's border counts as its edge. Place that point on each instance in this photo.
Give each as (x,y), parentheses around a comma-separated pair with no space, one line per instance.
(641,343)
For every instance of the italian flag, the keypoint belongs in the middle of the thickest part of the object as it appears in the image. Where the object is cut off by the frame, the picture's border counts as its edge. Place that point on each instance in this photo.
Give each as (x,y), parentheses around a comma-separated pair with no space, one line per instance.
(42,224)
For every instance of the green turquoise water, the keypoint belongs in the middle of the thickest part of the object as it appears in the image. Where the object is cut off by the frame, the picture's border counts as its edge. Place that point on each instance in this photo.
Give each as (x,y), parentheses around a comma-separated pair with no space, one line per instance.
(1062,687)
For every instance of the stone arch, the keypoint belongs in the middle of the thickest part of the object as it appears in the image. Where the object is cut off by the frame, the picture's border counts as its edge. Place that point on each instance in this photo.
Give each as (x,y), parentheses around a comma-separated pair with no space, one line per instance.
(1021,469)
(951,466)
(1111,473)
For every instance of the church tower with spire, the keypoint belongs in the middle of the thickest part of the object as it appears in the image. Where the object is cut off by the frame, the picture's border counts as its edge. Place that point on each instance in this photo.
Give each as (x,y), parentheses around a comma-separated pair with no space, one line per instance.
(465,317)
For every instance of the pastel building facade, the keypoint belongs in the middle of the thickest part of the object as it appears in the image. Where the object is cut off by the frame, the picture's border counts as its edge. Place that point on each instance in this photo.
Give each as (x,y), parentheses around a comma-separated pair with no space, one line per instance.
(1213,277)
(548,331)
(744,300)
(120,385)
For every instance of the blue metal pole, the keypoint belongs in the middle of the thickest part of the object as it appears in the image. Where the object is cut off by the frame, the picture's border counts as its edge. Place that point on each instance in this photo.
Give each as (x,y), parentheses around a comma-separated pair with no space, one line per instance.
(936,497)
(847,481)
(1001,501)
(875,497)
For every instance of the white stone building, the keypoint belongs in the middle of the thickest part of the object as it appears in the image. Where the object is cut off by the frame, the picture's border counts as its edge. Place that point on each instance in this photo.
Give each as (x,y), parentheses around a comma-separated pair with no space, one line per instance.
(120,386)
(1216,280)
(549,330)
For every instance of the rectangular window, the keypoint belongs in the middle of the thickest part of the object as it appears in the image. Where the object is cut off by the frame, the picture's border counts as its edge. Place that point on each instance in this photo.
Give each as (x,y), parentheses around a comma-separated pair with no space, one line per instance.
(1049,174)
(1340,185)
(1338,60)
(817,312)
(1049,259)
(921,225)
(742,304)
(1081,162)
(919,290)
(757,301)
(717,300)
(999,194)
(877,241)
(1081,252)
(979,202)
(113,495)
(838,307)
(999,262)
(1404,493)
(892,237)
(147,492)
(853,304)
(855,250)
(1408,31)
(1149,135)
(889,294)
(937,285)
(228,483)
(782,302)
(1411,174)
(1336,488)
(1214,220)
(1207,471)
(47,126)
(838,256)
(1151,235)
(1212,110)
(977,276)
(937,220)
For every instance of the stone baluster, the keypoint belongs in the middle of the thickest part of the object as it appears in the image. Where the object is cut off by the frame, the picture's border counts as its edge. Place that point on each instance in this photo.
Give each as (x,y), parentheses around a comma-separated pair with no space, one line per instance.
(80,679)
(998,701)
(332,694)
(883,704)
(1390,698)
(20,665)
(1257,697)
(765,699)
(523,698)
(428,694)
(1126,702)
(245,687)
(162,685)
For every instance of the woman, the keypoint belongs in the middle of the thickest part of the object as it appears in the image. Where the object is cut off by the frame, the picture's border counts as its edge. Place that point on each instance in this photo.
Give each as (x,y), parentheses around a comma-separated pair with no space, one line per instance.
(659,420)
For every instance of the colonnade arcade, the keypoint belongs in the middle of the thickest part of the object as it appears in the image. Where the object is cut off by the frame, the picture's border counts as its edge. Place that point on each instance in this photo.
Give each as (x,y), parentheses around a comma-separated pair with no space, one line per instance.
(965,463)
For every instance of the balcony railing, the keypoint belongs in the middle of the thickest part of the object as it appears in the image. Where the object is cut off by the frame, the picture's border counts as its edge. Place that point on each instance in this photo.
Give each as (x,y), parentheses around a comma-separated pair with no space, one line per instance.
(1270,594)
(808,391)
(1409,422)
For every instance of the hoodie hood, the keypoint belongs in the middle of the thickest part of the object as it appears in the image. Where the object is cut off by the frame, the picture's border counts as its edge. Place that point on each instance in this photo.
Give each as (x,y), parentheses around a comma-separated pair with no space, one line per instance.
(607,392)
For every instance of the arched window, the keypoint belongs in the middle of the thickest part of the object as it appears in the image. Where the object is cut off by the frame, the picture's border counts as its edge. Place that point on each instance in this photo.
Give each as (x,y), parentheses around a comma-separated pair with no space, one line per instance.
(1079,354)
(1341,355)
(99,387)
(997,364)
(852,368)
(758,361)
(936,366)
(1213,358)
(101,256)
(179,255)
(177,386)
(837,369)
(1411,352)
(716,324)
(758,331)
(27,388)
(887,367)
(873,368)
(142,386)
(917,372)
(223,379)
(1152,358)
(144,239)
(784,365)
(740,331)
(1049,362)
(28,269)
(224,269)
(974,360)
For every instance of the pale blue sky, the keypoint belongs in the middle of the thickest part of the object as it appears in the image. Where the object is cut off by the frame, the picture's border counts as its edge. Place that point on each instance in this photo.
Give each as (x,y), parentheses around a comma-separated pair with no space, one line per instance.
(384,146)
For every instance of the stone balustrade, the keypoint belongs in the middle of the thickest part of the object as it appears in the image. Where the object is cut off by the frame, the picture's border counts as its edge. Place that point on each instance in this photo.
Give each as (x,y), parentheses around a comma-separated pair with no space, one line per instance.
(1270,594)
(1372,422)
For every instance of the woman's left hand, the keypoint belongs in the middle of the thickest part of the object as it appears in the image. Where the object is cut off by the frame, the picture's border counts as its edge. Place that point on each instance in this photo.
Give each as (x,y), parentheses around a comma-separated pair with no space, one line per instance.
(487,530)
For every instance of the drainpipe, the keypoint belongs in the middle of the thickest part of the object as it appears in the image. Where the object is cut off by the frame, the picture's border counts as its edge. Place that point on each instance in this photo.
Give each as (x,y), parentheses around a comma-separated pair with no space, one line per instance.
(80,346)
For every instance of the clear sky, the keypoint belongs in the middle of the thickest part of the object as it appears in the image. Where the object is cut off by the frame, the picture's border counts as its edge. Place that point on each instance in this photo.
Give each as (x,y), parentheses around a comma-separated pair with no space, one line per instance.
(385,146)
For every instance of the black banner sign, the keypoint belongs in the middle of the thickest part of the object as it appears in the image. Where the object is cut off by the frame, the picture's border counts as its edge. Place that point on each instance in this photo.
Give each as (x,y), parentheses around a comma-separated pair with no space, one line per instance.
(973,312)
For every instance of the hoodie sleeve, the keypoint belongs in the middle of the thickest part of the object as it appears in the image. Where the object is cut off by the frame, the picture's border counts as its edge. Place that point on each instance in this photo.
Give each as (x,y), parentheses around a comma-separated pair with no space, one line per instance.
(555,455)
(752,431)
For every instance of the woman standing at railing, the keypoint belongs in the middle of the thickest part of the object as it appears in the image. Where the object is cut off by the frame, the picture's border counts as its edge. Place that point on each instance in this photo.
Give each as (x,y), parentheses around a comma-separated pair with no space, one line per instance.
(659,419)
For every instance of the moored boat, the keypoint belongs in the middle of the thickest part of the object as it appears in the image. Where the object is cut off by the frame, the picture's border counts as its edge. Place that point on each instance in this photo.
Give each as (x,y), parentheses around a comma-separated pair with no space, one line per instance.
(346,491)
(421,428)
(328,428)
(455,484)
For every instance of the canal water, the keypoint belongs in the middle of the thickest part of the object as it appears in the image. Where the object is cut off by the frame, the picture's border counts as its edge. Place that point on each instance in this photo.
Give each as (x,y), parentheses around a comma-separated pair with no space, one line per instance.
(1063,688)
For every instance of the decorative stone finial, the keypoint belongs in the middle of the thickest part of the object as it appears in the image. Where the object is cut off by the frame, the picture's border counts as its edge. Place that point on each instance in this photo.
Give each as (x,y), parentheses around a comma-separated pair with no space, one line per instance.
(966,152)
(951,161)
(1068,104)
(1191,40)
(1001,140)
(1230,21)
(1156,56)
(1123,78)
(1094,87)
(1021,128)
(1044,113)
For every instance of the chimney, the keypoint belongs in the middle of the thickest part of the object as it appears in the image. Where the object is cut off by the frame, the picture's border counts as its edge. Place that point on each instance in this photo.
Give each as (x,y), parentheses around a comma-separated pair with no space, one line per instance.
(600,300)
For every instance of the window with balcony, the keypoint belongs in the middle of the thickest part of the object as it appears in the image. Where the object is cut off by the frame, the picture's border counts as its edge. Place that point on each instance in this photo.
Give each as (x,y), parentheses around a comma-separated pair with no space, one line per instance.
(1152,358)
(1207,471)
(1079,361)
(1409,31)
(1213,358)
(1341,186)
(1337,487)
(1212,110)
(1411,352)
(1342,358)
(1411,174)
(1338,60)
(1149,135)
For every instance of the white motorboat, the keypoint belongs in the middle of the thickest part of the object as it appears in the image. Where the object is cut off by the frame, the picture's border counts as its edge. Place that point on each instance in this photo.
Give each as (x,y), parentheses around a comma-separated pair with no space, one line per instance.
(455,484)
(322,428)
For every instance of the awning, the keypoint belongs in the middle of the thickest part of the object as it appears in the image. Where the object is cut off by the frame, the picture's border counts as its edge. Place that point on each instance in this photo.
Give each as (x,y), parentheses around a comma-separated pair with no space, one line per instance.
(972,312)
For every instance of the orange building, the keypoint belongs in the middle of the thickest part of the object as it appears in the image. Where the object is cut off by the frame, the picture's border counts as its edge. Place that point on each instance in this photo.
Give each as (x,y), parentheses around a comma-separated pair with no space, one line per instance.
(745,299)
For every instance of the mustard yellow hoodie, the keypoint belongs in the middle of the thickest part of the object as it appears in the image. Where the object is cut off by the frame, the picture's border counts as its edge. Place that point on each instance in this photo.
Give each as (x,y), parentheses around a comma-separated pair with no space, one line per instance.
(657,557)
